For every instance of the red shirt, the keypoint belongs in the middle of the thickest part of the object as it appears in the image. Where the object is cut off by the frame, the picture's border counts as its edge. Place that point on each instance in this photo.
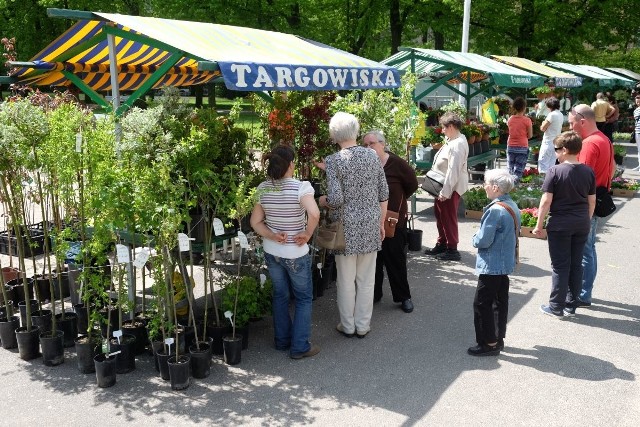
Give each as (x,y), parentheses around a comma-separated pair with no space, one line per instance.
(518,127)
(597,152)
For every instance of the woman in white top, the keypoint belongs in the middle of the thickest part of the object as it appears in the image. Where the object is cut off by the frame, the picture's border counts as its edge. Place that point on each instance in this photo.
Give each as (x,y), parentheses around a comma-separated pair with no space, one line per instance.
(551,126)
(285,216)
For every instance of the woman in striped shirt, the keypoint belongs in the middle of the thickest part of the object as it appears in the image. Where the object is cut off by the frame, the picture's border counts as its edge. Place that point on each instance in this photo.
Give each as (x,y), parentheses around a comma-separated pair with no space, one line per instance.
(286,215)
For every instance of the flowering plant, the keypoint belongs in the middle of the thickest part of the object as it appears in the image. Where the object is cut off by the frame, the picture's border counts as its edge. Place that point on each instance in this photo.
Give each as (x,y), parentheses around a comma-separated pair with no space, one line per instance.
(529,217)
(432,135)
(625,183)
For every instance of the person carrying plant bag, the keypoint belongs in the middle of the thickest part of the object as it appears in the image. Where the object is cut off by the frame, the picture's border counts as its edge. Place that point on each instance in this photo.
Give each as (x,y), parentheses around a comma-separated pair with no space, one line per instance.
(497,243)
(279,217)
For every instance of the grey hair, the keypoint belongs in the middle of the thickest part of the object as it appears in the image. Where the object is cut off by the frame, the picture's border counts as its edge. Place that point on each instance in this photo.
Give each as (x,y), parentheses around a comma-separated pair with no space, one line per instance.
(343,127)
(379,135)
(501,178)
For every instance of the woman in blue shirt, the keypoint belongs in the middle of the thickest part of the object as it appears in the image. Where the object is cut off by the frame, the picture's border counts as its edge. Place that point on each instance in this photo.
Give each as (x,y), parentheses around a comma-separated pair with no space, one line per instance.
(496,243)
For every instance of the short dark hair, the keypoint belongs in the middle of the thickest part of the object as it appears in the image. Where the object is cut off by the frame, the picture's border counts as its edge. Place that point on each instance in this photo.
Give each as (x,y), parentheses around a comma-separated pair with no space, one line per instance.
(519,104)
(451,119)
(569,140)
(552,103)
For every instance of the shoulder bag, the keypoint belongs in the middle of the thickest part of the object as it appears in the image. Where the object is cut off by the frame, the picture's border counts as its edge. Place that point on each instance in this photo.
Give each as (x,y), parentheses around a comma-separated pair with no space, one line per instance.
(604,203)
(515,229)
(331,234)
(433,182)
(391,220)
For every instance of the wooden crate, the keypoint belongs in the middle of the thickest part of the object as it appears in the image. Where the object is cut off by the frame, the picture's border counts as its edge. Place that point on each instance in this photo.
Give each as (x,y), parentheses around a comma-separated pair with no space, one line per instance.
(473,214)
(528,232)
(621,192)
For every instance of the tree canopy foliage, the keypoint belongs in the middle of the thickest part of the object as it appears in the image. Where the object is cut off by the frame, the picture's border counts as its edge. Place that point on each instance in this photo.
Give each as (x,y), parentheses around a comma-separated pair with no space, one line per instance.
(595,32)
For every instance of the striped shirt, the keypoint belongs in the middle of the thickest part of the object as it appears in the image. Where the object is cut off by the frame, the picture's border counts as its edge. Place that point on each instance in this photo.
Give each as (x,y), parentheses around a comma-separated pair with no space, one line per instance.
(280,201)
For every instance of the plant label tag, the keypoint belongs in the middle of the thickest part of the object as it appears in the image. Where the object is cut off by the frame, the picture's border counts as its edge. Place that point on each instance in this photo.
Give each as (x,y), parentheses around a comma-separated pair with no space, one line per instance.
(118,334)
(141,259)
(242,238)
(78,142)
(122,252)
(263,279)
(168,341)
(183,242)
(218,227)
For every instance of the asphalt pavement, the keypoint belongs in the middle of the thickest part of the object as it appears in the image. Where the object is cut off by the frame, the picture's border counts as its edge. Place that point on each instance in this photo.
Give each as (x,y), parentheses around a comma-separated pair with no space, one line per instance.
(412,369)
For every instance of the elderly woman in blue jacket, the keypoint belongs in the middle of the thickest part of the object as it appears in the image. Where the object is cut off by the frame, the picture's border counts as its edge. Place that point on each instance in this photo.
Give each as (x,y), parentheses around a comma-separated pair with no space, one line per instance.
(496,242)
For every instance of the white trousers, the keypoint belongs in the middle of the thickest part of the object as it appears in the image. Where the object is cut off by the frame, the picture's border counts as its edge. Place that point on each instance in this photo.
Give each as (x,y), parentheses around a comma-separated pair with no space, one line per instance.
(356,277)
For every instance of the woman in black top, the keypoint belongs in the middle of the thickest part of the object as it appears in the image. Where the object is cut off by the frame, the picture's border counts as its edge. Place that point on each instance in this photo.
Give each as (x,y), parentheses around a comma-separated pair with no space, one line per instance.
(402,182)
(570,198)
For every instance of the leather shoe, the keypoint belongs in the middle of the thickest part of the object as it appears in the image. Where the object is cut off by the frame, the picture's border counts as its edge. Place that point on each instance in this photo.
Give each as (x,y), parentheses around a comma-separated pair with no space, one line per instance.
(484,350)
(437,249)
(313,350)
(407,306)
(340,329)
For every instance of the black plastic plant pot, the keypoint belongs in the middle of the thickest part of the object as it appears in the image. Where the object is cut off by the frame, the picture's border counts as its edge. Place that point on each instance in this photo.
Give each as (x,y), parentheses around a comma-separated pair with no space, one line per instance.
(83,319)
(232,349)
(179,372)
(414,237)
(200,360)
(8,331)
(52,348)
(28,342)
(23,310)
(126,359)
(69,326)
(243,331)
(11,294)
(163,357)
(155,347)
(137,329)
(4,309)
(105,368)
(216,333)
(42,319)
(85,352)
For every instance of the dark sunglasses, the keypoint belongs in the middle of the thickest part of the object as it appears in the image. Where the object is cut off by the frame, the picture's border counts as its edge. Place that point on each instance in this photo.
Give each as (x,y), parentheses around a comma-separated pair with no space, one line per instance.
(557,148)
(575,113)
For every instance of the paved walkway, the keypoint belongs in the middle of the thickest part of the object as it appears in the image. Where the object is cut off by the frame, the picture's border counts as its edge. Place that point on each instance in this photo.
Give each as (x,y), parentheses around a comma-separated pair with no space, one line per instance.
(412,369)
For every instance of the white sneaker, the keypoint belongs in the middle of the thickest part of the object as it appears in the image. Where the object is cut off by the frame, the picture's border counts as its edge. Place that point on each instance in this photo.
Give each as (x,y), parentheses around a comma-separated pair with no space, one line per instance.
(636,169)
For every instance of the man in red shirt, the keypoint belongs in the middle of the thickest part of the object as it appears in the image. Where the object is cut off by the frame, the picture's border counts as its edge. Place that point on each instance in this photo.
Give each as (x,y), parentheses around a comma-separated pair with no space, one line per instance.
(597,152)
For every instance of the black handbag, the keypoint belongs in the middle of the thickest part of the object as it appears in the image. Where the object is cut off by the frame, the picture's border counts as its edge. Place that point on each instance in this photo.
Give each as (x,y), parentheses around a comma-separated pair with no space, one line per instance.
(433,183)
(604,203)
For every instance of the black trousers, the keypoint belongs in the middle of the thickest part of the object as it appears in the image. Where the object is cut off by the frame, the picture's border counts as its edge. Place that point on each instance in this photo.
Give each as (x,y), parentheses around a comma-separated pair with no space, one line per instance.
(565,250)
(491,308)
(393,257)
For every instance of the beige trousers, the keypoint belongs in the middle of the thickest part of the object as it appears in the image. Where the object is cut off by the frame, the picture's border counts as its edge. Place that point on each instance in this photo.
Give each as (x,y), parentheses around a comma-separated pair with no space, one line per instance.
(356,277)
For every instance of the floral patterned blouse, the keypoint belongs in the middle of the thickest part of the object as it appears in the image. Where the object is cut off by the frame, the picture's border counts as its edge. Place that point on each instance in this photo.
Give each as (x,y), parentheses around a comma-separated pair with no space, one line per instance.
(357,185)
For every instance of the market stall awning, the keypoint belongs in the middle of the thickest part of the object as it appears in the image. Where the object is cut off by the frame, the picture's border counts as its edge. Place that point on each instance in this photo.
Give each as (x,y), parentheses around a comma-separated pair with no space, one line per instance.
(189,53)
(560,78)
(600,75)
(441,63)
(625,73)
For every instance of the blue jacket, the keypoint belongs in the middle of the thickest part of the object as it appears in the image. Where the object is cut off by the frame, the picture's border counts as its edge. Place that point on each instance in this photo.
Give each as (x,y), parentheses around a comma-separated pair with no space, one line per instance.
(496,239)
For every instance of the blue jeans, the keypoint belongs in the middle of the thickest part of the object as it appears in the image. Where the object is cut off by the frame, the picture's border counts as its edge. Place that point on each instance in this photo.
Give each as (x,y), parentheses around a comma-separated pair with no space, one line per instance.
(295,275)
(589,262)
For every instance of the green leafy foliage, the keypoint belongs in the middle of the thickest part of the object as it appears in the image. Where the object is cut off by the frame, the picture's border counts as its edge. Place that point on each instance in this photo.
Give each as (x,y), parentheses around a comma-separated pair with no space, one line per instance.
(248,294)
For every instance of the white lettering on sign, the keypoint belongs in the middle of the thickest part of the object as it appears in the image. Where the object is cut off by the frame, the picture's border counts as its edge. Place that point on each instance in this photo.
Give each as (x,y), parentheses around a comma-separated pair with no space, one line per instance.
(338,76)
(301,76)
(263,78)
(520,80)
(284,76)
(287,77)
(240,70)
(320,77)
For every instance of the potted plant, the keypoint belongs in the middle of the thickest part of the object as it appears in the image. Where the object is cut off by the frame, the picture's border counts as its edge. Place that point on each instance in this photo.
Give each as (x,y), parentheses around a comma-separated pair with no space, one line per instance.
(475,199)
(528,220)
(619,152)
(624,187)
(542,92)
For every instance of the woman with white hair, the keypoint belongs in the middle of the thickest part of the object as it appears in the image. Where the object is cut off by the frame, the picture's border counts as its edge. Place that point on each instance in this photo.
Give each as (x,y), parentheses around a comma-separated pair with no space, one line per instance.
(496,243)
(357,194)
